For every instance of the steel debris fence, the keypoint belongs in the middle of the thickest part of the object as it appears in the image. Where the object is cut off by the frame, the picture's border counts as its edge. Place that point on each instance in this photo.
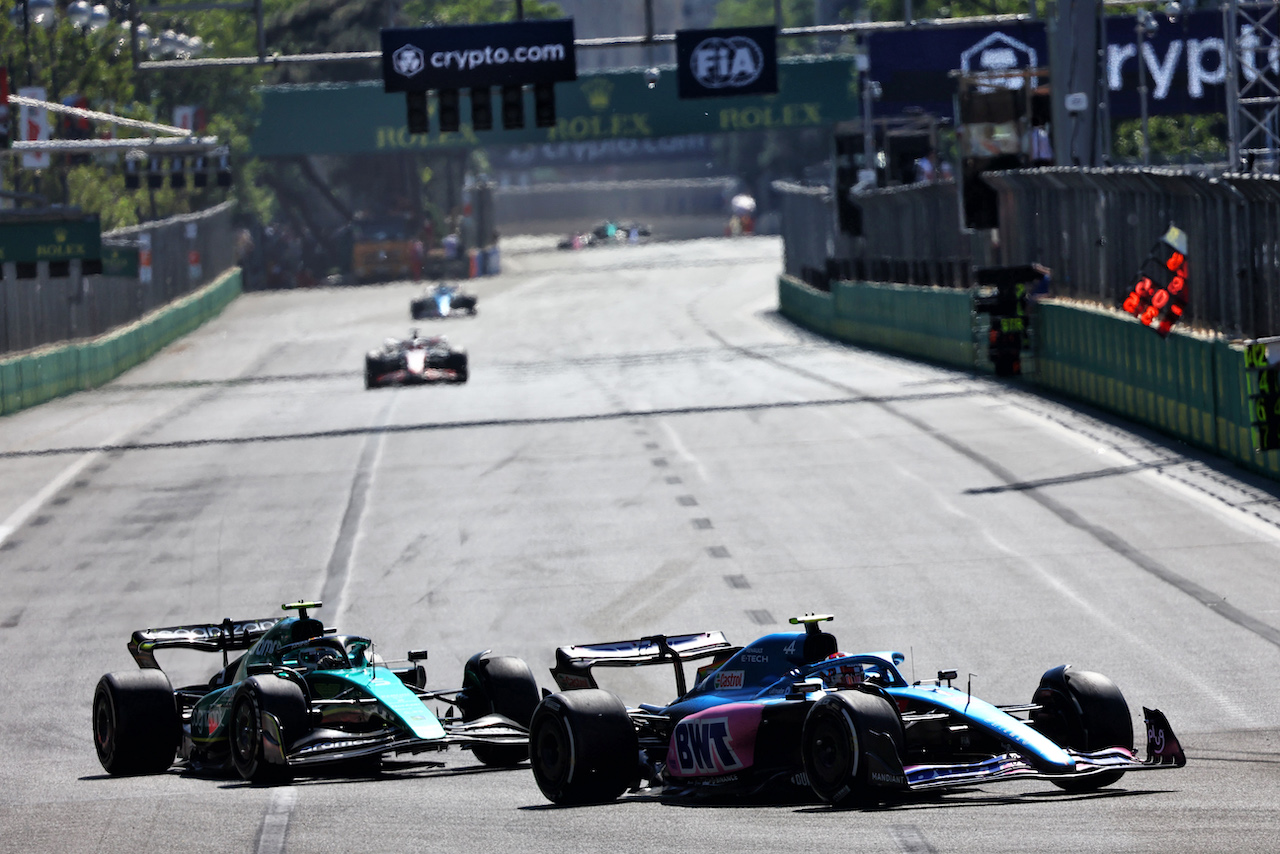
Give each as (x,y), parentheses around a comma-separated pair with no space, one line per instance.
(187,252)
(1092,227)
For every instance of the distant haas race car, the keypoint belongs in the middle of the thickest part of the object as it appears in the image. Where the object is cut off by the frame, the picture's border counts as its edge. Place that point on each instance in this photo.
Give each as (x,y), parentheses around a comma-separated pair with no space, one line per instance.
(299,696)
(442,300)
(791,711)
(413,361)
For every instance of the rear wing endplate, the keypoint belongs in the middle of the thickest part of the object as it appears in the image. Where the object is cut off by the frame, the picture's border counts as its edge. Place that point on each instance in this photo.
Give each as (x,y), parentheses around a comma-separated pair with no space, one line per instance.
(206,637)
(573,663)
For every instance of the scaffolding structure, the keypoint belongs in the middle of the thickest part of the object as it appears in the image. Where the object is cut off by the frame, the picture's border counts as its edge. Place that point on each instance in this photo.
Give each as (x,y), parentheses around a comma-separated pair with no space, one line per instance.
(1252,31)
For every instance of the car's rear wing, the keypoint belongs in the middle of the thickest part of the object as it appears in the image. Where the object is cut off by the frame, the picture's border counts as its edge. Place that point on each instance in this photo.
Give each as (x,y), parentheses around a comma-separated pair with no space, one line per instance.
(206,637)
(573,663)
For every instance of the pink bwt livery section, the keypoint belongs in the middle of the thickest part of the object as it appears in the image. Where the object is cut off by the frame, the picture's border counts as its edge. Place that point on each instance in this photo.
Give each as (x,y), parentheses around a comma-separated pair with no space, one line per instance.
(715,742)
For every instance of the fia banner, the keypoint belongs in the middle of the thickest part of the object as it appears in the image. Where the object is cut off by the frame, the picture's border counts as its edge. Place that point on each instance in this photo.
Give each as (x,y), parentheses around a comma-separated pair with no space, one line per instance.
(716,63)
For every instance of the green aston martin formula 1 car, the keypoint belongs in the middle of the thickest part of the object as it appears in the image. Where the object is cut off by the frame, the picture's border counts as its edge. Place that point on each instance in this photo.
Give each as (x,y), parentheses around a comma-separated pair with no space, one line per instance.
(300,696)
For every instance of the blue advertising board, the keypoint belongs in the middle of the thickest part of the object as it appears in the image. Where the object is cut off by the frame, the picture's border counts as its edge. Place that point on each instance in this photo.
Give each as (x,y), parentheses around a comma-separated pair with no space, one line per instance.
(1185,62)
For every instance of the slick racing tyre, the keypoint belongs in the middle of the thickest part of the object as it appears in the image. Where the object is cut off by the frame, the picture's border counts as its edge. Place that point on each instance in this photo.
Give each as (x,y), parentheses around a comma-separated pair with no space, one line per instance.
(136,726)
(418,309)
(845,746)
(258,742)
(583,747)
(456,361)
(1084,711)
(503,685)
(376,365)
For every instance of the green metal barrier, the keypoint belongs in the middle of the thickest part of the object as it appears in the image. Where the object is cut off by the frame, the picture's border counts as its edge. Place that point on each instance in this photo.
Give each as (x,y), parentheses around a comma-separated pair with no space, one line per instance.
(807,306)
(33,378)
(932,323)
(1189,386)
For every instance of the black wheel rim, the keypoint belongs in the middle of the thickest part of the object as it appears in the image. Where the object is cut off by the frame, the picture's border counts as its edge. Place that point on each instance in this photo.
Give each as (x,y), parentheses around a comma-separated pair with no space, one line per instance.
(104,727)
(832,754)
(245,739)
(550,753)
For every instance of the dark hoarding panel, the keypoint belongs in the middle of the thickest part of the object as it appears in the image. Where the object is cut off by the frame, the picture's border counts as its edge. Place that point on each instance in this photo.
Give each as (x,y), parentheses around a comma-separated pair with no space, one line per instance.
(1185,63)
(716,63)
(461,57)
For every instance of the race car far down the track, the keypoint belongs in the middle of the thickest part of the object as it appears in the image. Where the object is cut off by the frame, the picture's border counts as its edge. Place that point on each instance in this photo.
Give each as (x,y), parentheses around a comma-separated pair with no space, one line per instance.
(300,696)
(790,711)
(442,300)
(414,361)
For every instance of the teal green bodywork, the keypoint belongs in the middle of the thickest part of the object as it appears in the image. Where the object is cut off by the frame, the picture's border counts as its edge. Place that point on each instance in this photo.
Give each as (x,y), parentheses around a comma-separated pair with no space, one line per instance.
(211,716)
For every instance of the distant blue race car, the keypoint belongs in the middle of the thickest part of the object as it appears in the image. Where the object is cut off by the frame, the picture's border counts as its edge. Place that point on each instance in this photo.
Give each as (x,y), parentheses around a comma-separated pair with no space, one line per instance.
(791,711)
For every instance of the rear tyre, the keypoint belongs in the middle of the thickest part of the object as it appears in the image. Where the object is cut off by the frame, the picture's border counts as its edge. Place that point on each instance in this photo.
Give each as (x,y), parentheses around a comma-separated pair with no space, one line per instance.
(136,726)
(1084,711)
(258,746)
(456,361)
(837,747)
(583,747)
(503,685)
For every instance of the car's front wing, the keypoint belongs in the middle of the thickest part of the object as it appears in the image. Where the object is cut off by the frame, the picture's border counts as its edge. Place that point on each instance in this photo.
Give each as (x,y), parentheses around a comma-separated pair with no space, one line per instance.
(331,745)
(1163,751)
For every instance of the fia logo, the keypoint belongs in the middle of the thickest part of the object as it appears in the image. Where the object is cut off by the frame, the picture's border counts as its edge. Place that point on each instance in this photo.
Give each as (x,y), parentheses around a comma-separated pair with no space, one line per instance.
(719,63)
(408,60)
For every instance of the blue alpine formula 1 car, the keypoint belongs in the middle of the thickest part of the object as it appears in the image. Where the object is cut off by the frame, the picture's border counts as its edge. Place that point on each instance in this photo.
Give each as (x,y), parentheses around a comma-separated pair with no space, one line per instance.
(300,696)
(790,710)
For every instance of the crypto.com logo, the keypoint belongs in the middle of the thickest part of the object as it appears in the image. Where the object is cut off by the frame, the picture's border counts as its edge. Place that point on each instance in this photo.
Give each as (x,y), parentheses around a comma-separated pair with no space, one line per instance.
(722,63)
(408,60)
(998,52)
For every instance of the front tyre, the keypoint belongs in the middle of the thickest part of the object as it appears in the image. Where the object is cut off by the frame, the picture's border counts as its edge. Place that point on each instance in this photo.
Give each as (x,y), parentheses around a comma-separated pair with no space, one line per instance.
(845,745)
(583,747)
(266,714)
(456,361)
(1084,711)
(503,685)
(136,726)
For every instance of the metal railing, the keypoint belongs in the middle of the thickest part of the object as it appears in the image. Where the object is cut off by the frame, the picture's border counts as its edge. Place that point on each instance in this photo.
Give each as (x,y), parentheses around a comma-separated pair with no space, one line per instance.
(187,252)
(1092,227)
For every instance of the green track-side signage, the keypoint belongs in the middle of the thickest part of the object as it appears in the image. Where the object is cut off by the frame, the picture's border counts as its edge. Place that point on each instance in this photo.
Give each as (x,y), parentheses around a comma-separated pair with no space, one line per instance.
(359,118)
(50,239)
(120,261)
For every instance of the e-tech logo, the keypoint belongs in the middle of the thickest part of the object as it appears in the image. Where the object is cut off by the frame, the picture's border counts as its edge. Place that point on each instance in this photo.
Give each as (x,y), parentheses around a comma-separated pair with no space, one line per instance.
(704,746)
(722,63)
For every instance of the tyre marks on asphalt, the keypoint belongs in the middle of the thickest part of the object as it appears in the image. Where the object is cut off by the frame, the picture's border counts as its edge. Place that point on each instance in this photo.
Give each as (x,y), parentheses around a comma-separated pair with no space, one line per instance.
(275,824)
(1108,538)
(910,839)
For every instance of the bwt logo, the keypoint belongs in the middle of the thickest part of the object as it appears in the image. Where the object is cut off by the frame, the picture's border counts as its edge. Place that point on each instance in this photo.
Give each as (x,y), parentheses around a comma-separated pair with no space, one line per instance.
(719,63)
(999,52)
(704,746)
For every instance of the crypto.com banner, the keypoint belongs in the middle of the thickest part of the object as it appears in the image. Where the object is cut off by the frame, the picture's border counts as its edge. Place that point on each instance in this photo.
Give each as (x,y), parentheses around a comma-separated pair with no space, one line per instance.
(517,52)
(1185,63)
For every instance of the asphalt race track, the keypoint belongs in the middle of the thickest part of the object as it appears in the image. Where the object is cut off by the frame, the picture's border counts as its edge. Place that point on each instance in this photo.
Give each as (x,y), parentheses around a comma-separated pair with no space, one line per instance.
(644,446)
